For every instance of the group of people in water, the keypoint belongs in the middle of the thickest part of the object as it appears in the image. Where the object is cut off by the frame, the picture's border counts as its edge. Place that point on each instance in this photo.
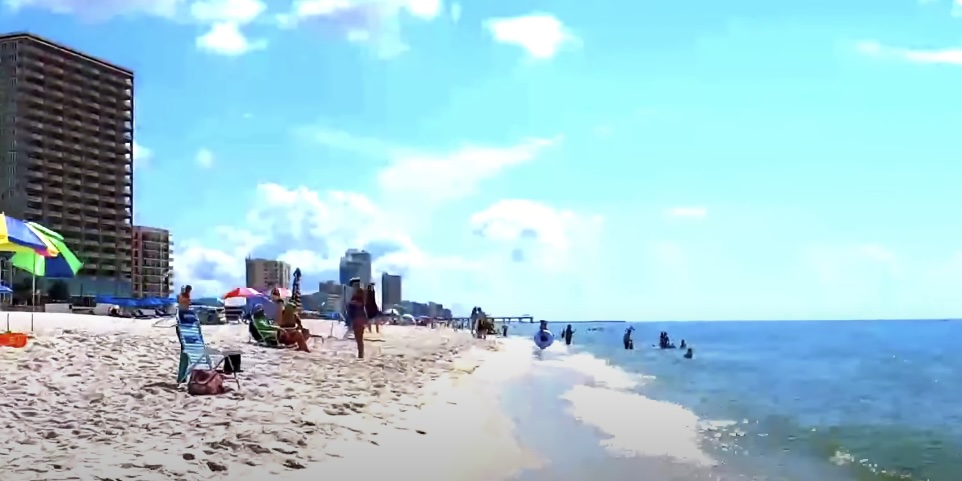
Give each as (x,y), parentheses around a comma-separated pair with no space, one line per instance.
(664,342)
(567,333)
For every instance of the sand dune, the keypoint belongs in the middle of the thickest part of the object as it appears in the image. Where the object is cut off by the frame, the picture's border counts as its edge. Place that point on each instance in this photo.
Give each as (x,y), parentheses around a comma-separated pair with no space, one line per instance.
(96,399)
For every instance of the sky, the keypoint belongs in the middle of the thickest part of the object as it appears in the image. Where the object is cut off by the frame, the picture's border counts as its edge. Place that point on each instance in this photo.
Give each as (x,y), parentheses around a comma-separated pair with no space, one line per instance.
(646,160)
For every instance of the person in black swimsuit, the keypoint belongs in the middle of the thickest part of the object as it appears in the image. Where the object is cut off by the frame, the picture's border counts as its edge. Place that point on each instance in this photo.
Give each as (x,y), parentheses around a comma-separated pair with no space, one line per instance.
(567,333)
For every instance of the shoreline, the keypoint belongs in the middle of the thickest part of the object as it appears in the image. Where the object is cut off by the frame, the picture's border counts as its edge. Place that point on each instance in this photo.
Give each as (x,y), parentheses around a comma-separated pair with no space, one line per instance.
(93,396)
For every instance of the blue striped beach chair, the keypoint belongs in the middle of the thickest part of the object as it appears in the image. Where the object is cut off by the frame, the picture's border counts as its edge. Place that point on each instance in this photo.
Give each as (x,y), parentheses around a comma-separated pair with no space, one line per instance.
(194,352)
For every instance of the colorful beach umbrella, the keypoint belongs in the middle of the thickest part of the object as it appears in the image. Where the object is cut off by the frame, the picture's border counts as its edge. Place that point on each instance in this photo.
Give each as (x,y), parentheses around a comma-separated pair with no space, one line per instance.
(62,264)
(242,292)
(19,236)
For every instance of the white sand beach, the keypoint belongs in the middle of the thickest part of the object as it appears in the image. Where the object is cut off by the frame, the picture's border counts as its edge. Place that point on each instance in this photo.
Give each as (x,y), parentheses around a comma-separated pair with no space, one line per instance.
(95,398)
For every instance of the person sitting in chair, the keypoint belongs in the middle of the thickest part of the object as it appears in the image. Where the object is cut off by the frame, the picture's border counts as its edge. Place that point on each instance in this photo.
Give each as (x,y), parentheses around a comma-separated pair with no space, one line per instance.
(287,332)
(288,318)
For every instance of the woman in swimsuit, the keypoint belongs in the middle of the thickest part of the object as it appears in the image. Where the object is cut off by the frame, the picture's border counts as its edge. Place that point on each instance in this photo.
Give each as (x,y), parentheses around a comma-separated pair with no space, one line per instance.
(290,329)
(357,315)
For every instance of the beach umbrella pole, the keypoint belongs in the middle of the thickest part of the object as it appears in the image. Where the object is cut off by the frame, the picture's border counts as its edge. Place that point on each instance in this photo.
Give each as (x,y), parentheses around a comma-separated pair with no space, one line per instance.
(33,295)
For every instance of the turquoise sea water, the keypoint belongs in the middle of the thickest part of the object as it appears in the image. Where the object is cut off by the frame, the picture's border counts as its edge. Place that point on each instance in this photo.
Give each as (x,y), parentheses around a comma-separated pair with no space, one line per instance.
(779,400)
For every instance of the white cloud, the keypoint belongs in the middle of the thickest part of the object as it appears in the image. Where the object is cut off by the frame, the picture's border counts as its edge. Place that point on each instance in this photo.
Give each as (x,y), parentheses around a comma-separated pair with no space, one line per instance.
(204,158)
(555,238)
(225,38)
(439,177)
(436,175)
(102,8)
(541,35)
(233,11)
(142,156)
(223,19)
(872,48)
(425,9)
(689,212)
(375,23)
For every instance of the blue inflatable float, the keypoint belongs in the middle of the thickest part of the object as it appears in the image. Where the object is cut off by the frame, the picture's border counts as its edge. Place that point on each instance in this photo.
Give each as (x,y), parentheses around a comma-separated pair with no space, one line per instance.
(543,339)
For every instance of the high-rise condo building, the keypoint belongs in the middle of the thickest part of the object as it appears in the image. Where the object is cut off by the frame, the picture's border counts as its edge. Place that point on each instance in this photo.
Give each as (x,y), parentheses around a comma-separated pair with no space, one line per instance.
(153,262)
(264,274)
(390,291)
(66,148)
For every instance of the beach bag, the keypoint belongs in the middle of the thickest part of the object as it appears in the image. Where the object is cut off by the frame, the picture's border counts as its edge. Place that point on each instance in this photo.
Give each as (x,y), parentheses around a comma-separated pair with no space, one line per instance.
(205,382)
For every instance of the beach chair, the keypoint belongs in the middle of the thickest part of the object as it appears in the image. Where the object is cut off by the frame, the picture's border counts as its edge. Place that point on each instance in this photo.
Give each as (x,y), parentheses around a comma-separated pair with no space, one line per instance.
(264,337)
(195,353)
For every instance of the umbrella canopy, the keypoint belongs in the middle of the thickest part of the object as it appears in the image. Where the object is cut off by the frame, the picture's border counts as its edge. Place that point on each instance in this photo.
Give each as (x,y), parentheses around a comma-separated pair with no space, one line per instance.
(19,236)
(61,264)
(242,292)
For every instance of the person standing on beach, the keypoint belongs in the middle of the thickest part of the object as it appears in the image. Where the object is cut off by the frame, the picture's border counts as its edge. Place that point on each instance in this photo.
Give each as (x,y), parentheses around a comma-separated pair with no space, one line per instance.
(357,314)
(373,312)
(183,301)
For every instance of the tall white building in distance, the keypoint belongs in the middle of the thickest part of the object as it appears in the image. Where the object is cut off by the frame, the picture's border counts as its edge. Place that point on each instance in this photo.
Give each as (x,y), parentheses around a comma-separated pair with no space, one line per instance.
(355,263)
(390,290)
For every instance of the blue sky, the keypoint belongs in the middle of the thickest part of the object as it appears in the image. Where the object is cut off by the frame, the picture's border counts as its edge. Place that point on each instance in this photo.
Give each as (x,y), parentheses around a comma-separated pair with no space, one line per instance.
(571,159)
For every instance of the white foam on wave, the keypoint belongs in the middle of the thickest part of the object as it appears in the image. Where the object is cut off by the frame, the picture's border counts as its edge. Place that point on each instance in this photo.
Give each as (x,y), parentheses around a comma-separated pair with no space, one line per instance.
(602,373)
(639,426)
(635,425)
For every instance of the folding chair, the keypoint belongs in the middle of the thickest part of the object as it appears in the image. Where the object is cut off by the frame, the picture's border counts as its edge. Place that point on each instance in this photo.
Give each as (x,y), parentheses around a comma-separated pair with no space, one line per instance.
(196,354)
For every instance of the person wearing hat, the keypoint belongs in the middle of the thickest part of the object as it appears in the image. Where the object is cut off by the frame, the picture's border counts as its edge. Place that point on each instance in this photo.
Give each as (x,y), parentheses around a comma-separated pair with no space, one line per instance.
(357,313)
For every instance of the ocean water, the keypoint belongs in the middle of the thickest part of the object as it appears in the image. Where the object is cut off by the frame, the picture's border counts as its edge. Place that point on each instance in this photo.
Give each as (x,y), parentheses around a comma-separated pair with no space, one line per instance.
(779,400)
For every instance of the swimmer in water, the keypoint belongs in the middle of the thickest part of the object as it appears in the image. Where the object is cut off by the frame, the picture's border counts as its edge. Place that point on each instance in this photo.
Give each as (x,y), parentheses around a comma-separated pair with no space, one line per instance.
(629,343)
(683,345)
(567,333)
(689,354)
